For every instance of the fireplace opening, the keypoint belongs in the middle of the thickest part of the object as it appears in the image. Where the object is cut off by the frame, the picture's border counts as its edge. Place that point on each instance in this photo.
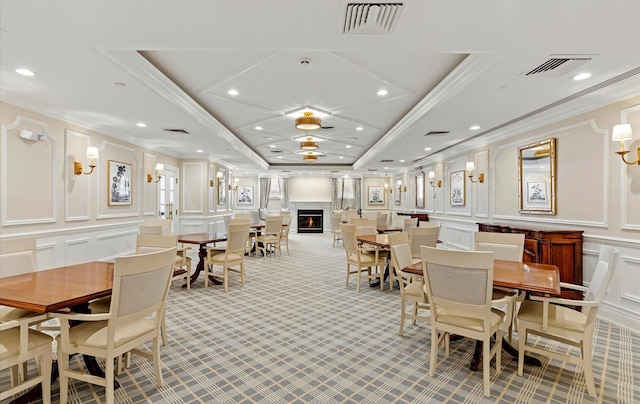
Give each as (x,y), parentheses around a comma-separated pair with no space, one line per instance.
(310,221)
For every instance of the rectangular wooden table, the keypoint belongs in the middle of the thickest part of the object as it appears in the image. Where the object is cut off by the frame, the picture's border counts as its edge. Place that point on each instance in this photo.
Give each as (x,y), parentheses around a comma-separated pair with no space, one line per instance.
(201,239)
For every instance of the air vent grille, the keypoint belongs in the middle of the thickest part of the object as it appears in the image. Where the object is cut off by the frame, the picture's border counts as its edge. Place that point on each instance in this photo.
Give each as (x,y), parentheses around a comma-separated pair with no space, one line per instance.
(558,65)
(386,161)
(276,151)
(371,18)
(172,130)
(437,132)
(372,169)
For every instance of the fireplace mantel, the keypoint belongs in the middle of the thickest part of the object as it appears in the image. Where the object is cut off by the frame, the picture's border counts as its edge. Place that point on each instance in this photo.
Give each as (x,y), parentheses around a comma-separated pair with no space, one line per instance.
(324,205)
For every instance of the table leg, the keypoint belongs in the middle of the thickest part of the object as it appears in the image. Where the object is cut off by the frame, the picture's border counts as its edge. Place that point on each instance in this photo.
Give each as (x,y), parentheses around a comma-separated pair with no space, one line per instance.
(200,267)
(477,355)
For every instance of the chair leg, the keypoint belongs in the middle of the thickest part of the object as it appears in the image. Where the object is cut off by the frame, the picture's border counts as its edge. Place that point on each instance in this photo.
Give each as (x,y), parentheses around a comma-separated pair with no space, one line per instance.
(486,367)
(45,370)
(109,379)
(586,365)
(188,274)
(522,344)
(348,273)
(157,365)
(359,278)
(435,342)
(225,275)
(63,365)
(242,273)
(402,314)
(163,330)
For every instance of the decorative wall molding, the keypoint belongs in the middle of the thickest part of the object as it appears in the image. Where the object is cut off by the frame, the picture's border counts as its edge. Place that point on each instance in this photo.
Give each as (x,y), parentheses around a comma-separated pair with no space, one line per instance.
(149,193)
(193,184)
(624,179)
(71,179)
(4,157)
(546,220)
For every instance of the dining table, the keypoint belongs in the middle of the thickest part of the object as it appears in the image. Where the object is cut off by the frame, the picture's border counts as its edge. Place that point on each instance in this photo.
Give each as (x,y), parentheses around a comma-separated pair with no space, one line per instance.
(525,276)
(54,289)
(201,239)
(380,240)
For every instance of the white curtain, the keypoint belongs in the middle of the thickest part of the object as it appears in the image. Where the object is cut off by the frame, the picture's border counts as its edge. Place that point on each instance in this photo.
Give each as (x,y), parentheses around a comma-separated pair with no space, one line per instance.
(346,194)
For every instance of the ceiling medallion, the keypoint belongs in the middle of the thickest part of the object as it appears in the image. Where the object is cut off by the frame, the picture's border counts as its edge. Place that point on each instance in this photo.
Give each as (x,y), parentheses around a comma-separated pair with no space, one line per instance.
(308,122)
(309,144)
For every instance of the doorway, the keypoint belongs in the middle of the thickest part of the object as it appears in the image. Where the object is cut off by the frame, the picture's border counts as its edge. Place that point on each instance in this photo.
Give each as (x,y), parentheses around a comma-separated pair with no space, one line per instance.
(168,197)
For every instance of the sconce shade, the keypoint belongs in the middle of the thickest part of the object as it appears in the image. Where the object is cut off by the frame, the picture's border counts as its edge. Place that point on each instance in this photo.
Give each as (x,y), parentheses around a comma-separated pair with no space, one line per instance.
(308,122)
(432,175)
(92,155)
(159,168)
(622,132)
(92,152)
(471,166)
(219,174)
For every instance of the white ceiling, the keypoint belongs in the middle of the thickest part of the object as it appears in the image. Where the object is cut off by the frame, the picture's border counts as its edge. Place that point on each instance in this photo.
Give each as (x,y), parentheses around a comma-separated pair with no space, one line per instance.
(447,65)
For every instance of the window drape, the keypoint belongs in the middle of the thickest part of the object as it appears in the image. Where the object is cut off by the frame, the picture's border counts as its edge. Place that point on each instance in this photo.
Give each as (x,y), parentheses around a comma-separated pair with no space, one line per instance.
(265,187)
(284,193)
(346,193)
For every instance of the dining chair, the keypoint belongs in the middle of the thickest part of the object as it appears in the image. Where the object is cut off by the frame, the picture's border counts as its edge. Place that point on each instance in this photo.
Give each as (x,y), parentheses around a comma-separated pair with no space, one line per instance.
(400,238)
(409,223)
(140,286)
(459,289)
(363,222)
(419,236)
(363,258)
(286,226)
(412,292)
(20,344)
(182,269)
(508,247)
(567,321)
(232,258)
(269,240)
(336,222)
(17,257)
(381,219)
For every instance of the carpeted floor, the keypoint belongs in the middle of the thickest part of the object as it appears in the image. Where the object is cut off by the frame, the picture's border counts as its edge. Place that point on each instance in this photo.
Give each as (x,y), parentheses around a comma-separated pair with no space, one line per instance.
(296,334)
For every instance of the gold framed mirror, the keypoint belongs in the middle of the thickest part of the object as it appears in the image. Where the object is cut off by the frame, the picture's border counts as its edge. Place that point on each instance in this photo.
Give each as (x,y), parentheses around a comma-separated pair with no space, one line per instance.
(537,178)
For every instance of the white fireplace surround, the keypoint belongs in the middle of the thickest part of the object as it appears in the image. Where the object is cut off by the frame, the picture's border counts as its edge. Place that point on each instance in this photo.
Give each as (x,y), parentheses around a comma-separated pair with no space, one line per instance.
(324,205)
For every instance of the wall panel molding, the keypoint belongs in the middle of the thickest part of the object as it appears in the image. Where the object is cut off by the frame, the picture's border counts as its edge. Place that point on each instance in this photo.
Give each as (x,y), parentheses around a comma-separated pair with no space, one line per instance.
(71,139)
(625,182)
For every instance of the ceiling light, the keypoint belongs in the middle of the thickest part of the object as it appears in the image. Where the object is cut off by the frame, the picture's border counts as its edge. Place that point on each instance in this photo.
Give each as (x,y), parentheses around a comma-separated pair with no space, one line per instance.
(474,127)
(427,148)
(233,92)
(359,128)
(383,92)
(279,157)
(258,127)
(310,158)
(582,76)
(308,122)
(199,151)
(24,72)
(309,144)
(141,125)
(386,168)
(402,161)
(341,157)
(272,146)
(348,146)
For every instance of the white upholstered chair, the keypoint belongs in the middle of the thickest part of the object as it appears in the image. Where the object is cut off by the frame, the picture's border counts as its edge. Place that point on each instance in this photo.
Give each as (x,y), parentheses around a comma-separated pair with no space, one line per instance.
(567,321)
(363,222)
(17,256)
(419,236)
(409,223)
(286,226)
(336,222)
(182,268)
(232,258)
(271,235)
(140,287)
(412,292)
(365,261)
(459,289)
(381,219)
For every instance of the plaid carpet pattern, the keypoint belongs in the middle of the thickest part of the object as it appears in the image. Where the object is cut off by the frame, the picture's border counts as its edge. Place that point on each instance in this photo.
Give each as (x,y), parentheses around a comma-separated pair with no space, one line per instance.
(296,334)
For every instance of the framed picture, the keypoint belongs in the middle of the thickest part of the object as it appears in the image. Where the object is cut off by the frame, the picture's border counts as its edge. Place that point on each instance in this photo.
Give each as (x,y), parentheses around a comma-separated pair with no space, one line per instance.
(398,192)
(537,192)
(376,195)
(420,190)
(245,195)
(222,191)
(119,180)
(457,188)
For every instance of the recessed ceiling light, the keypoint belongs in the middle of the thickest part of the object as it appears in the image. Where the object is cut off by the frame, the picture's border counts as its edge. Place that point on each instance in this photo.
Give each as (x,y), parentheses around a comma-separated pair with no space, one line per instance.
(258,127)
(199,151)
(383,92)
(24,72)
(359,128)
(582,76)
(386,168)
(233,92)
(272,146)
(340,157)
(141,125)
(474,127)
(268,138)
(348,146)
(427,148)
(402,161)
(279,157)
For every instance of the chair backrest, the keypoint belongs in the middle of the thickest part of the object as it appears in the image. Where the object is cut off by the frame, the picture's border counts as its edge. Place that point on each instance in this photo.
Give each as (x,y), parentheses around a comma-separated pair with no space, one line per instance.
(420,236)
(150,229)
(366,230)
(165,223)
(336,221)
(147,243)
(18,256)
(607,260)
(286,217)
(459,280)
(140,285)
(237,238)
(370,215)
(398,238)
(237,221)
(244,216)
(506,246)
(409,223)
(423,224)
(401,255)
(363,222)
(381,219)
(273,225)
(263,213)
(349,238)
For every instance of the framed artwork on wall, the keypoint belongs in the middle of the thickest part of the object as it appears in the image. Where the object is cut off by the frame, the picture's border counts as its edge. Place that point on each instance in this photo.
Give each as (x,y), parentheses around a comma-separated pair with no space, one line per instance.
(457,188)
(420,190)
(119,180)
(376,195)
(537,192)
(245,195)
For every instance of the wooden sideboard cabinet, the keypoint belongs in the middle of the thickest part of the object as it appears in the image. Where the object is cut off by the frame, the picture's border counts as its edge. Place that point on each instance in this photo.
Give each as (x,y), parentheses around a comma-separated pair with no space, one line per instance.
(549,246)
(422,217)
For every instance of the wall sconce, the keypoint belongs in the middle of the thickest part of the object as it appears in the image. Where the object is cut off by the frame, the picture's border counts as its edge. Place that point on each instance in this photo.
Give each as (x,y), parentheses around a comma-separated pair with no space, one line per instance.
(621,133)
(470,167)
(212,183)
(235,184)
(159,169)
(92,155)
(400,186)
(387,189)
(432,180)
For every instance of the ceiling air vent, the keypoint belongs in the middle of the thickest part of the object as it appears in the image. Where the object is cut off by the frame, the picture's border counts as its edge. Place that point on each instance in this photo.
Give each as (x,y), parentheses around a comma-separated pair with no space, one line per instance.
(276,151)
(557,65)
(334,171)
(286,171)
(437,132)
(372,169)
(386,161)
(176,131)
(371,18)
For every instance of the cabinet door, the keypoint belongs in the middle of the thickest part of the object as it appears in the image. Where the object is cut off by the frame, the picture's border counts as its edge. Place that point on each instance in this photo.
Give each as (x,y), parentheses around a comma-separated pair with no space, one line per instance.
(566,253)
(531,251)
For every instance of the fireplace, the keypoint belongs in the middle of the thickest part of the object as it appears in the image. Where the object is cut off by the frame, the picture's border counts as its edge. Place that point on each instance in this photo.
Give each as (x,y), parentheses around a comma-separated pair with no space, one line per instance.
(310,220)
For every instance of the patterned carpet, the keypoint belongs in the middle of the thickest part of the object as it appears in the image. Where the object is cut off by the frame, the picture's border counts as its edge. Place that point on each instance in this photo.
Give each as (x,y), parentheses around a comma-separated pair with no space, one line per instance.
(296,334)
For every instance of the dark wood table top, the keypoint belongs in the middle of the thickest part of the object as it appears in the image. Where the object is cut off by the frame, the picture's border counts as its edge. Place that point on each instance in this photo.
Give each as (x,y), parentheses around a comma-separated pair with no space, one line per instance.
(531,277)
(378,240)
(57,288)
(201,238)
(388,229)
